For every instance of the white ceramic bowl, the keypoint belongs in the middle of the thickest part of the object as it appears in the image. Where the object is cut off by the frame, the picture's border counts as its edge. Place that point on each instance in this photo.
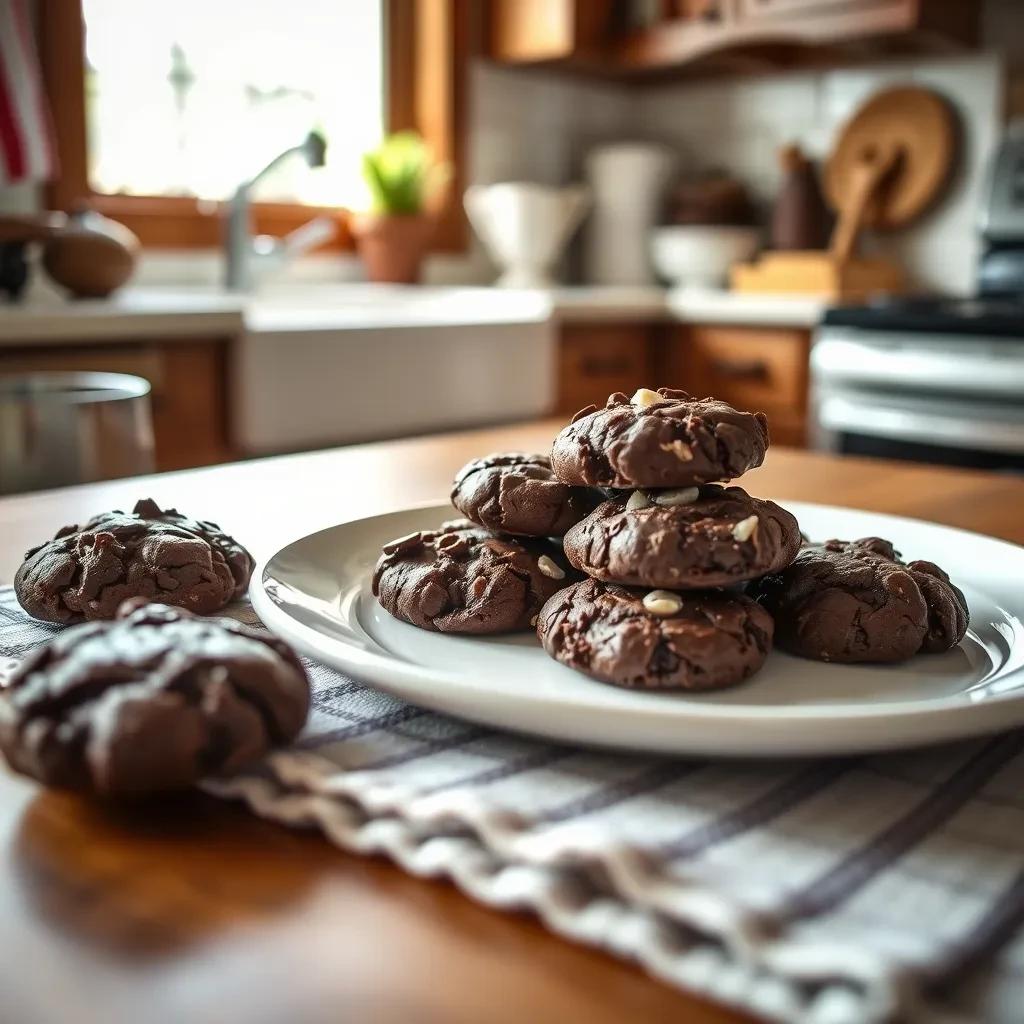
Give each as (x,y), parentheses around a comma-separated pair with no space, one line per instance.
(701,255)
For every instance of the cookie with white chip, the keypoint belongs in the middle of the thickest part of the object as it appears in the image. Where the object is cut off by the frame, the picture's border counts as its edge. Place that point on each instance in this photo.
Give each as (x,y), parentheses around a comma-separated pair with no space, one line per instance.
(513,492)
(662,438)
(656,640)
(684,539)
(462,578)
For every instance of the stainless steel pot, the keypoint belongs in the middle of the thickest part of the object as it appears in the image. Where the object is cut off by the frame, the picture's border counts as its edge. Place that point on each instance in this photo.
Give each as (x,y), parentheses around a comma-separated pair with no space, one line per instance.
(70,428)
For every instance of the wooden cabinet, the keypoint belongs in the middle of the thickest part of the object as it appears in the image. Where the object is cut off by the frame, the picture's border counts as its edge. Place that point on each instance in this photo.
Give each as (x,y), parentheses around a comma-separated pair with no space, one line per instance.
(534,31)
(188,395)
(753,368)
(718,36)
(596,360)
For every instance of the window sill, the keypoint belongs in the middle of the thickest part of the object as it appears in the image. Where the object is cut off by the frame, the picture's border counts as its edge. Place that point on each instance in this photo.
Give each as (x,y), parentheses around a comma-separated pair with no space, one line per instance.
(180,223)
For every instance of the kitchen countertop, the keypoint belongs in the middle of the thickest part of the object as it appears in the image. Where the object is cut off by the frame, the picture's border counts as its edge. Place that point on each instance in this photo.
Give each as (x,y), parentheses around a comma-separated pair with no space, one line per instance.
(149,313)
(129,315)
(587,304)
(199,911)
(700,306)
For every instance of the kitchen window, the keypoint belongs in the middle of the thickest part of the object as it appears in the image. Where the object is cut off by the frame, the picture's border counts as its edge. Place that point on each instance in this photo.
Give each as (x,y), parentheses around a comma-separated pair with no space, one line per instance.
(190,98)
(161,110)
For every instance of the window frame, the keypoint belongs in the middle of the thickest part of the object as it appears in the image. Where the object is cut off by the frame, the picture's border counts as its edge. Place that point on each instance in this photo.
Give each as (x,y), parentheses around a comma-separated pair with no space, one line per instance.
(426,54)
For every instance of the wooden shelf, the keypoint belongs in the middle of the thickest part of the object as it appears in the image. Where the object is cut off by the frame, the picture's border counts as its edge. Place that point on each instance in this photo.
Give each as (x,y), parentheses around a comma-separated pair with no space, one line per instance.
(746,36)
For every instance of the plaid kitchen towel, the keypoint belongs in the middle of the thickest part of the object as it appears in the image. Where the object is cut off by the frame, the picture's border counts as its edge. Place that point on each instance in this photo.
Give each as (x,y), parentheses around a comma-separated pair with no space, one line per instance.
(833,892)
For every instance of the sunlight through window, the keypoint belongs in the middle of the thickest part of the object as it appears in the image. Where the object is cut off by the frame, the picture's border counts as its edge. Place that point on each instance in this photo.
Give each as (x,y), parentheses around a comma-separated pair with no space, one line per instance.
(190,98)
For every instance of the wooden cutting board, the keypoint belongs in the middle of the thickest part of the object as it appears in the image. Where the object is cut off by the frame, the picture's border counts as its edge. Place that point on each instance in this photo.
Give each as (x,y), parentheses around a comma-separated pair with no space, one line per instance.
(915,124)
(889,164)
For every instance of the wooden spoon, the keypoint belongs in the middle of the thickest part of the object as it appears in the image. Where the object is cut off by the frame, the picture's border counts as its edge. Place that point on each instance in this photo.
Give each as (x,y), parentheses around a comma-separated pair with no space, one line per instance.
(866,179)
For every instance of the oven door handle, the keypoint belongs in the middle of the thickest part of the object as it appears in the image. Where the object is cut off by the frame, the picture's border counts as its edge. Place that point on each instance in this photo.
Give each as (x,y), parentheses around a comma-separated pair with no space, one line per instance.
(840,414)
(973,367)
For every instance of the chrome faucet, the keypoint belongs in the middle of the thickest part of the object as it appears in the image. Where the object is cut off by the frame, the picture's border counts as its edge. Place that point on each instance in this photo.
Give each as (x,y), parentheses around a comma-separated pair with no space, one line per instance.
(241,249)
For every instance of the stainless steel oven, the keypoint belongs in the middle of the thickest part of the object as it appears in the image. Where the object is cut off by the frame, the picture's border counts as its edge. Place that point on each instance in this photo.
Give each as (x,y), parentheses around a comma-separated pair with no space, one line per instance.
(931,381)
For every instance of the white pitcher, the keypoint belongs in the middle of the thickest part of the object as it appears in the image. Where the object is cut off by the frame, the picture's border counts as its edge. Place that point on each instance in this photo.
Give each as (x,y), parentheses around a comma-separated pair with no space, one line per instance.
(525,227)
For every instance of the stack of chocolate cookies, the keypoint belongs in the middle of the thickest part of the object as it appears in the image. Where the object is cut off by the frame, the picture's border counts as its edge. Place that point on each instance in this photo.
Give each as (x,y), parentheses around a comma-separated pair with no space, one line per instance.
(668,552)
(617,548)
(640,566)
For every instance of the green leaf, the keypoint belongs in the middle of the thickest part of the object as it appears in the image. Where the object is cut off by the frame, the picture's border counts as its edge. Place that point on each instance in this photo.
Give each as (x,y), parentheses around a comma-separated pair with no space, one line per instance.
(400,174)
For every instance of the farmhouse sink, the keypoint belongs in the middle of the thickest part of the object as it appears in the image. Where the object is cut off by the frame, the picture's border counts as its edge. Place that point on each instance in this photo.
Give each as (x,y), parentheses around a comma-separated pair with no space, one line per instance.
(323,365)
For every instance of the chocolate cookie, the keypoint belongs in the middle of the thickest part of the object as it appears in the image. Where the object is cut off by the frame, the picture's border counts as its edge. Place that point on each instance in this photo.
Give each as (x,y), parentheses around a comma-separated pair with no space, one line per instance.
(684,539)
(85,572)
(660,438)
(464,579)
(518,493)
(656,640)
(155,700)
(858,602)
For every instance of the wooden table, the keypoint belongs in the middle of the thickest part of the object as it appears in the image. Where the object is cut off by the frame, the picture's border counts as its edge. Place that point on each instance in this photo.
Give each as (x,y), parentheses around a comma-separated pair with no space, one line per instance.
(193,910)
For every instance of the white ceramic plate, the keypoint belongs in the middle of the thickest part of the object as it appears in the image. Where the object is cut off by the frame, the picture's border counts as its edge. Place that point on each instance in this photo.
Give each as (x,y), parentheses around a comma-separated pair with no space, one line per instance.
(316,594)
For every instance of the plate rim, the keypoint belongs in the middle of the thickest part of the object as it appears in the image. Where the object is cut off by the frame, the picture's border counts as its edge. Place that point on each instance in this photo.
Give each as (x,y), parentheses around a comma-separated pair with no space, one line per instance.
(680,707)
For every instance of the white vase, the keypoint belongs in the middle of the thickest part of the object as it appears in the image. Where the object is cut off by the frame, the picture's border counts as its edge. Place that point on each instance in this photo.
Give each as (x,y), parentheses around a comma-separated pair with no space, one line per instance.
(525,227)
(628,182)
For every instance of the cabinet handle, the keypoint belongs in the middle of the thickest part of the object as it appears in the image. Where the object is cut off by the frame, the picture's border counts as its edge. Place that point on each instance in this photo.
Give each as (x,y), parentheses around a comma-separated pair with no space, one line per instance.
(750,369)
(599,367)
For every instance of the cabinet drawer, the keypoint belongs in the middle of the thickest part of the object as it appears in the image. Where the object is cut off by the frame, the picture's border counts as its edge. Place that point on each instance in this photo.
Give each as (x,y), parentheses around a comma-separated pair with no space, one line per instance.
(749,368)
(596,361)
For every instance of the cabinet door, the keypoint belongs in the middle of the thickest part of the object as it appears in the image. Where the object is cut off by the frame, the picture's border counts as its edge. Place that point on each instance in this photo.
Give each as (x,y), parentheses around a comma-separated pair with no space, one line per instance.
(595,361)
(757,369)
(529,31)
(190,411)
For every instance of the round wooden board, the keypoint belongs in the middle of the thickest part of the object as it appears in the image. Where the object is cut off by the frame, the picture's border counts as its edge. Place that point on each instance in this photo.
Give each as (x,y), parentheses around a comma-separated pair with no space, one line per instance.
(923,126)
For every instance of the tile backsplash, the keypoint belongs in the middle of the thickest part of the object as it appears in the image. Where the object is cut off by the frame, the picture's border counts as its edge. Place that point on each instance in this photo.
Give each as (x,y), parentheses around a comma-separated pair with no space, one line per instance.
(740,125)
(536,126)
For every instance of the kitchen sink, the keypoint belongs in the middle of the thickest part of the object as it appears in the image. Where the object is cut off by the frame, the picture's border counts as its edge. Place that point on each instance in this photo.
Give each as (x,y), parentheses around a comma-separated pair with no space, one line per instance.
(325,306)
(322,365)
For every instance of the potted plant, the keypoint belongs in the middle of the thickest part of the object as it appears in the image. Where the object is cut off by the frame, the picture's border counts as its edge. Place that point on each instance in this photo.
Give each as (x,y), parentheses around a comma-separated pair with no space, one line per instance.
(392,237)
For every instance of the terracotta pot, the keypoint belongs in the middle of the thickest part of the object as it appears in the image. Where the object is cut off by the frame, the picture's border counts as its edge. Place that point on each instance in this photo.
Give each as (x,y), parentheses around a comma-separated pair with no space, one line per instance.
(392,247)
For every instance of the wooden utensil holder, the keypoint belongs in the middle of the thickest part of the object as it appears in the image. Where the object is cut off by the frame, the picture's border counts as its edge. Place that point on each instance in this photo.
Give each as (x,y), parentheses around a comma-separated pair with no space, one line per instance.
(818,272)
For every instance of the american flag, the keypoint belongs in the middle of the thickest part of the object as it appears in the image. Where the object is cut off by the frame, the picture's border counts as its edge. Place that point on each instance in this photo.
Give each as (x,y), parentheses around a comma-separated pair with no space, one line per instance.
(26,137)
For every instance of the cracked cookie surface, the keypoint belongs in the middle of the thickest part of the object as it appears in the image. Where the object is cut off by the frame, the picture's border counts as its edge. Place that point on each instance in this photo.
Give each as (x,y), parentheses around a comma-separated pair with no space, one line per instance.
(517,493)
(675,441)
(604,630)
(87,571)
(857,601)
(462,578)
(720,536)
(153,701)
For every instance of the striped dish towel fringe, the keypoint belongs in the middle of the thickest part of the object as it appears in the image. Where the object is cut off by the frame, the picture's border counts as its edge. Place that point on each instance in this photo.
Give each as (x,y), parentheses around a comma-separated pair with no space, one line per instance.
(832,892)
(26,134)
